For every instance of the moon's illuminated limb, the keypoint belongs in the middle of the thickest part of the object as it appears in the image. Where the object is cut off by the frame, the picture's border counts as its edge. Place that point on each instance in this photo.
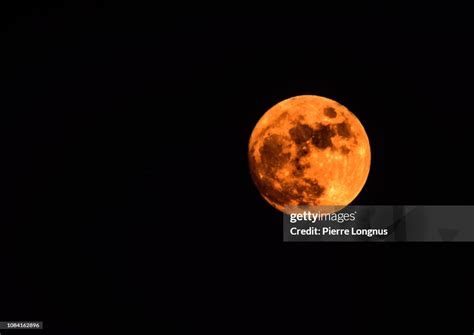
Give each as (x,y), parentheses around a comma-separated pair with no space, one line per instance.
(309,150)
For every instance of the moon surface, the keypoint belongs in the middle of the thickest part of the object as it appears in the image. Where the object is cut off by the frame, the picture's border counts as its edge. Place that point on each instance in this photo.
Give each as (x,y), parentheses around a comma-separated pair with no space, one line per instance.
(309,151)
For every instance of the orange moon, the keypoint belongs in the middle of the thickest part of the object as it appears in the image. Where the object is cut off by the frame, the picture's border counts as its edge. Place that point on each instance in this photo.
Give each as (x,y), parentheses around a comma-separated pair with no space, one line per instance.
(309,151)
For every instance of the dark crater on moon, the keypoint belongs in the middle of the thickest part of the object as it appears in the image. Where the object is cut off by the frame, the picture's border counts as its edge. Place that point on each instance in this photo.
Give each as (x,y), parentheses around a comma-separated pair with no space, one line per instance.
(322,137)
(308,186)
(272,155)
(302,151)
(301,133)
(299,168)
(314,187)
(345,150)
(344,130)
(330,112)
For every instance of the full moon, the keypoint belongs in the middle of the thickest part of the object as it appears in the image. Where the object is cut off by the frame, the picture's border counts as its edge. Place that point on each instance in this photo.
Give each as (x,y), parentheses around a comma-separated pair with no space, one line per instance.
(309,151)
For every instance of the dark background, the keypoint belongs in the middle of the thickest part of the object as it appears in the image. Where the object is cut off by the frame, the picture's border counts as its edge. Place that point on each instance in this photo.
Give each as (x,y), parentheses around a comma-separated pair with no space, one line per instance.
(128,205)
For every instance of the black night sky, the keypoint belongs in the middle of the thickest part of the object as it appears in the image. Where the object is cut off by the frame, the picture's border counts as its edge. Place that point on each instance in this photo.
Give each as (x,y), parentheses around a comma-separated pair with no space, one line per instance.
(127,200)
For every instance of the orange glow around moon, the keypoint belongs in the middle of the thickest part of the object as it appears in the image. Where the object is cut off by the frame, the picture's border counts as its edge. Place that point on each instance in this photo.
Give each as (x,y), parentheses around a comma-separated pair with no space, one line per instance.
(309,151)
